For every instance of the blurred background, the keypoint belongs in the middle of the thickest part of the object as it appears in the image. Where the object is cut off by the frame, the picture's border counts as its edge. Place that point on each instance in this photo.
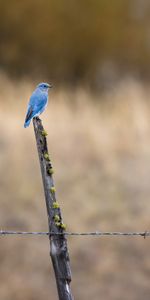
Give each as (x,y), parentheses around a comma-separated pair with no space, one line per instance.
(97,55)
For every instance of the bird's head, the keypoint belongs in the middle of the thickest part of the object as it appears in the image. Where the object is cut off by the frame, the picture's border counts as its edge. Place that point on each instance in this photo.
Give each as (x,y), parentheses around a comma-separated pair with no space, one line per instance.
(44,86)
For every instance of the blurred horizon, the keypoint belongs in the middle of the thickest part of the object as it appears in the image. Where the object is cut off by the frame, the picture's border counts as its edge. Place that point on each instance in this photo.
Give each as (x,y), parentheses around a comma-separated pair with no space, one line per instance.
(92,43)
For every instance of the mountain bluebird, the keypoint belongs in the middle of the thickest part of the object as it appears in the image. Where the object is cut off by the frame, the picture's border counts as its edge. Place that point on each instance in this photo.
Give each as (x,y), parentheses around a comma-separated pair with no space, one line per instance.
(38,102)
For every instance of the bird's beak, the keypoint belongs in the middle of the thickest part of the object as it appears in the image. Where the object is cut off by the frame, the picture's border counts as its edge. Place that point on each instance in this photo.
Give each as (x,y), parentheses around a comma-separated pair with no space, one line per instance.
(50,86)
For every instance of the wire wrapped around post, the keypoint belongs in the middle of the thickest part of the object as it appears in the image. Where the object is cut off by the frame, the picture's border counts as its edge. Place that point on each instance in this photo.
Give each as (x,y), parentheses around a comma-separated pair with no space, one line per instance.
(58,242)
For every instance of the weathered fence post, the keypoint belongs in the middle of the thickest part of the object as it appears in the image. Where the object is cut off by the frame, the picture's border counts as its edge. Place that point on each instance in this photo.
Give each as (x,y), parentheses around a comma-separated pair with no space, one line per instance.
(58,242)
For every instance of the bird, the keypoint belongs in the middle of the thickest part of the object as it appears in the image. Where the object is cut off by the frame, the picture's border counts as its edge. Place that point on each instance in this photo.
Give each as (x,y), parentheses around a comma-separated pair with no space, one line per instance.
(38,102)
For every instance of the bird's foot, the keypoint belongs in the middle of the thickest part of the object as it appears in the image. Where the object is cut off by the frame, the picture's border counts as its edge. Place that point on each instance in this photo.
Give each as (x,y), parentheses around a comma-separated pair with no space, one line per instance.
(37,118)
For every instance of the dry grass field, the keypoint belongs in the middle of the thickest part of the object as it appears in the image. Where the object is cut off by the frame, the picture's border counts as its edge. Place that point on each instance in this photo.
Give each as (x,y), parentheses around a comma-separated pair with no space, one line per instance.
(100,151)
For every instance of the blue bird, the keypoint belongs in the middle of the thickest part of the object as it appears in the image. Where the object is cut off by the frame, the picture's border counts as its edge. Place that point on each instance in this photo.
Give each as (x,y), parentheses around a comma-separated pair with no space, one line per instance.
(38,102)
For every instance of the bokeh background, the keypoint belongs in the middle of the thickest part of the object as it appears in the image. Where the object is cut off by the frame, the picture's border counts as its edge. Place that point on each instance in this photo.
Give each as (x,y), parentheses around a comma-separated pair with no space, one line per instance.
(97,55)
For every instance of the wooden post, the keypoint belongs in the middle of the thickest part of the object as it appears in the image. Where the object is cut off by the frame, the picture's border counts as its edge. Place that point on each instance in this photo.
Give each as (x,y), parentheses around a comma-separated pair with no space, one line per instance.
(58,242)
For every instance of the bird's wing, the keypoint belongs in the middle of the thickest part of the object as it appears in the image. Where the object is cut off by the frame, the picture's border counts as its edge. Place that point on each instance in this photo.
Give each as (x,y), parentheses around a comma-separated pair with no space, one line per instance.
(38,99)
(37,104)
(29,113)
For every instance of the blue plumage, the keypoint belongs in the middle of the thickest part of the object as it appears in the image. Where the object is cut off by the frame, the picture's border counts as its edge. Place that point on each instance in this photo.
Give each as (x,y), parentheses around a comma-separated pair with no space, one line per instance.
(37,103)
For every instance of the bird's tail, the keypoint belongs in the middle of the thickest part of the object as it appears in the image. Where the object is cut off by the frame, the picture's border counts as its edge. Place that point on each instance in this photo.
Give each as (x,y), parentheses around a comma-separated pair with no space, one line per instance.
(27,123)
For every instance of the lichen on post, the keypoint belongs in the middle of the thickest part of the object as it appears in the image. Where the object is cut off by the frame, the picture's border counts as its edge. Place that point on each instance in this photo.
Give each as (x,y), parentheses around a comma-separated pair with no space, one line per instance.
(58,242)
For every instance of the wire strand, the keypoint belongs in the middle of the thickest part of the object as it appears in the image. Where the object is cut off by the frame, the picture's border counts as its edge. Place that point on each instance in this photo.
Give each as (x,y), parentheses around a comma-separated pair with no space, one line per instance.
(96,233)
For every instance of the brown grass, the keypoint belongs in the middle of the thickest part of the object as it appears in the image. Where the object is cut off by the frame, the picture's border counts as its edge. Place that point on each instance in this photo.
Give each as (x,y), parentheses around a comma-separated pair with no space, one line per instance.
(100,151)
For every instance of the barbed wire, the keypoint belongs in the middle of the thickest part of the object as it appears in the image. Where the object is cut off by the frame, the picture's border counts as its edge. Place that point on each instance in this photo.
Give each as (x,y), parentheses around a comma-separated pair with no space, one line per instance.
(95,233)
